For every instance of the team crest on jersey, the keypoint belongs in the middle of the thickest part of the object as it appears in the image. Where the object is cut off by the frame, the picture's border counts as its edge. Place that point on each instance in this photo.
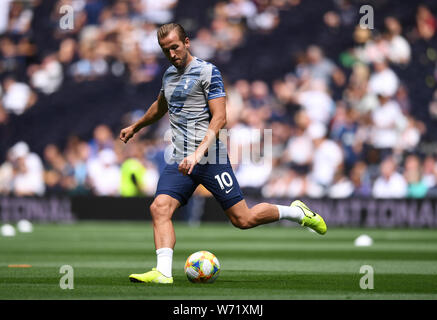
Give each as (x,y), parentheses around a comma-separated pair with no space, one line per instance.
(182,90)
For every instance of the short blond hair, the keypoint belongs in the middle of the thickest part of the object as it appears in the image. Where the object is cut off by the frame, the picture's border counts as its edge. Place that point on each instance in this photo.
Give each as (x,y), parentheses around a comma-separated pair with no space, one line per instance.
(165,30)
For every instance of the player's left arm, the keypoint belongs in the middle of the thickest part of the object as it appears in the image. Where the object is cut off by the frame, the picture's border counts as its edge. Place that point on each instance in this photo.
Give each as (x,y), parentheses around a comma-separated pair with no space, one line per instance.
(217,107)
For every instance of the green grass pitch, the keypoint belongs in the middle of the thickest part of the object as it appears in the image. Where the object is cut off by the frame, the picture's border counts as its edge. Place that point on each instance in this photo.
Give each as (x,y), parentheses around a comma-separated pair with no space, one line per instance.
(269,262)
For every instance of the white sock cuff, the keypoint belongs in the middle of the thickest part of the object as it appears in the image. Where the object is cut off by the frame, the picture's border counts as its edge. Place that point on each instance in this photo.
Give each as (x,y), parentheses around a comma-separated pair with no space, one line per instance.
(282,211)
(164,252)
(291,213)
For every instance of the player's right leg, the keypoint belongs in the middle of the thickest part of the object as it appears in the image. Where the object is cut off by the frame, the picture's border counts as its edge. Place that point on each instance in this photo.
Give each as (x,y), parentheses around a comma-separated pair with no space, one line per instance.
(161,210)
(174,189)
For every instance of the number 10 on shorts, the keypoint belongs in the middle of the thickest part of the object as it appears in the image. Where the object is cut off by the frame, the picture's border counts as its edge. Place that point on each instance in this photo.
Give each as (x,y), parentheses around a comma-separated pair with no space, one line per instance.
(224,179)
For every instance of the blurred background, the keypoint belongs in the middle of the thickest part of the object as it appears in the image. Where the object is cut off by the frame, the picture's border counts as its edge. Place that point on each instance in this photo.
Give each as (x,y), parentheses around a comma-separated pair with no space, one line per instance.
(353,110)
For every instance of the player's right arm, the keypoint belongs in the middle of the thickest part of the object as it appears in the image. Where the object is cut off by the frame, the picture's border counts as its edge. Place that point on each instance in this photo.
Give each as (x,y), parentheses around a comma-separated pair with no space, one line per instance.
(153,114)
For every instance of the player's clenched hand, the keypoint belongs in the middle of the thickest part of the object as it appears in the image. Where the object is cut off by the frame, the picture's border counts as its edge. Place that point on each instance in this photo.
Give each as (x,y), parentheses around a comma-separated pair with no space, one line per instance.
(127,133)
(187,164)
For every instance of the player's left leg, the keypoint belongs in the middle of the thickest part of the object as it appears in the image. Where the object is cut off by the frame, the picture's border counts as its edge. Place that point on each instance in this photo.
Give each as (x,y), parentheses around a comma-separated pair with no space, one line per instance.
(245,218)
(220,180)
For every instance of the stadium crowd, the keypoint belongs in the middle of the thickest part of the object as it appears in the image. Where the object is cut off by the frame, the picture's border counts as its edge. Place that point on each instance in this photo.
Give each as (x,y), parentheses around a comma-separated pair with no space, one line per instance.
(344,118)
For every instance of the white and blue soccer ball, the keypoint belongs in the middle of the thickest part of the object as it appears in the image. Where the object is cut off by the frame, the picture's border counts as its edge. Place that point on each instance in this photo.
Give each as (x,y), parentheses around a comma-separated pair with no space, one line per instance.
(202,266)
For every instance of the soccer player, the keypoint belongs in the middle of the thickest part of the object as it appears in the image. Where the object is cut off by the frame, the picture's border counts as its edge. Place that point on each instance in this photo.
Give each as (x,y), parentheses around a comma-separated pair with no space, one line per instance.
(193,94)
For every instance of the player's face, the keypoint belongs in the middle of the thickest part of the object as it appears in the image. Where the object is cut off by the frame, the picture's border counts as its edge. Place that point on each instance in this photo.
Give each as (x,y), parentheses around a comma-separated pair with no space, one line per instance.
(175,49)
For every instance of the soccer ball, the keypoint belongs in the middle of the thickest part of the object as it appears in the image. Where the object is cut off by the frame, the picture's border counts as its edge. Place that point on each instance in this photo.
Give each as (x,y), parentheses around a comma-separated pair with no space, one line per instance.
(202,266)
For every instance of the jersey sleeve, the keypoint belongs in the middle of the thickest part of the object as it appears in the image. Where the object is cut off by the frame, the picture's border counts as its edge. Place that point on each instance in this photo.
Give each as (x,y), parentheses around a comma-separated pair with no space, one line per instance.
(213,84)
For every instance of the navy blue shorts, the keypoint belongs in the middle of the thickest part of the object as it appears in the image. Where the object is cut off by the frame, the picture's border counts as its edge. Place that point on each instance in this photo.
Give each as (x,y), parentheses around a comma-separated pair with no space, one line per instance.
(219,179)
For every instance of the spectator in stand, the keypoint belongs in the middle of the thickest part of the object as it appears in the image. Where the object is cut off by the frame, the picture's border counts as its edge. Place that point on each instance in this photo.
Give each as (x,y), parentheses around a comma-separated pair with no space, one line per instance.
(77,154)
(348,12)
(242,136)
(159,12)
(403,99)
(17,97)
(93,9)
(67,53)
(266,20)
(327,157)
(399,50)
(281,133)
(203,45)
(383,80)
(284,183)
(388,124)
(253,174)
(103,138)
(52,176)
(4,117)
(430,172)
(410,135)
(4,16)
(132,172)
(357,94)
(7,174)
(105,174)
(260,96)
(375,48)
(300,149)
(344,126)
(91,66)
(151,178)
(426,23)
(114,18)
(361,180)
(147,39)
(413,175)
(242,86)
(260,102)
(227,36)
(235,102)
(59,173)
(390,183)
(284,106)
(319,67)
(316,101)
(28,177)
(10,60)
(361,37)
(143,68)
(48,76)
(341,187)
(238,10)
(20,17)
